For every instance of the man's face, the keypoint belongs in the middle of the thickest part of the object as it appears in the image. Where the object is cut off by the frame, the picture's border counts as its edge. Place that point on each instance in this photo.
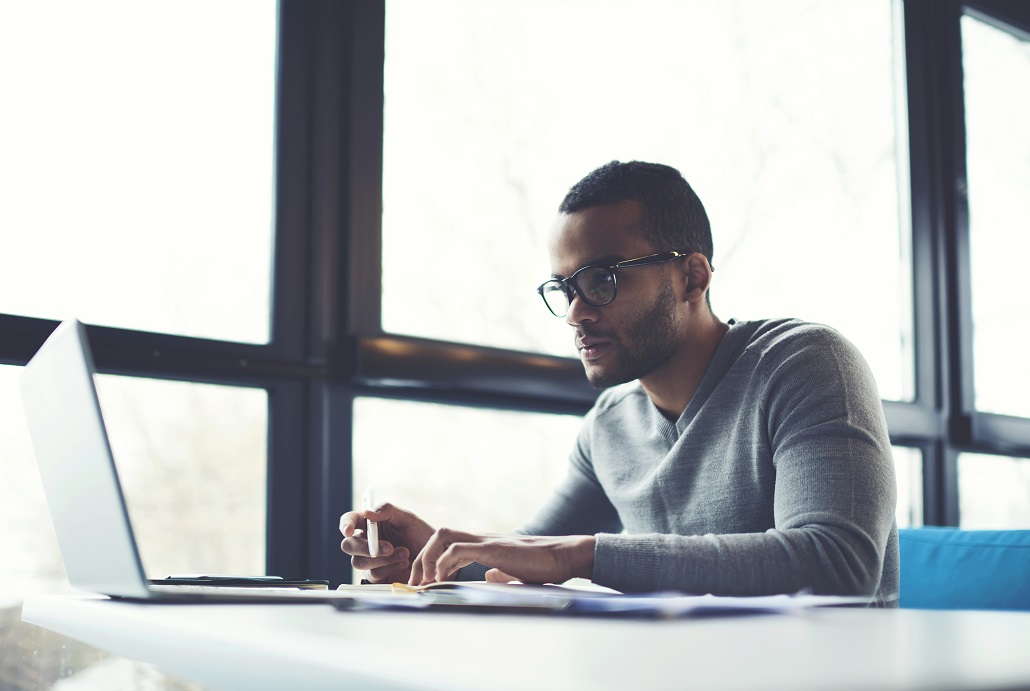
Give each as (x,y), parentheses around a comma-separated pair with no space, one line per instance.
(635,334)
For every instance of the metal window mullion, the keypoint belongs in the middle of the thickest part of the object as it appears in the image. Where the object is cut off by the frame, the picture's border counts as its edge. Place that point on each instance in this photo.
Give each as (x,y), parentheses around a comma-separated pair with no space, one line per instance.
(933,56)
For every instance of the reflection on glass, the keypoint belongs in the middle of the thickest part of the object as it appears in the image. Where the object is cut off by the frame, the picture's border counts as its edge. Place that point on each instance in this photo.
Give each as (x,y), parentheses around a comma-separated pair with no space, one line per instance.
(136,166)
(467,468)
(908,466)
(781,114)
(997,100)
(993,492)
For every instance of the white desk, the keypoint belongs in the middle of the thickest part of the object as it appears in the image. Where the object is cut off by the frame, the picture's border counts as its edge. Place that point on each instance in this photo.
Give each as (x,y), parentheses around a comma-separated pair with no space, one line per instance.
(316,647)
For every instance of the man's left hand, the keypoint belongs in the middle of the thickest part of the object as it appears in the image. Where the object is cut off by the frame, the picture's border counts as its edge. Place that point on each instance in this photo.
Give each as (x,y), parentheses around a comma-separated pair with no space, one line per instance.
(528,558)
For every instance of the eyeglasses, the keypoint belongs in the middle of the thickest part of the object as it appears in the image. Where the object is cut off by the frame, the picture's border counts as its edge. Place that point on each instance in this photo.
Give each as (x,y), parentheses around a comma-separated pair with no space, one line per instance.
(595,285)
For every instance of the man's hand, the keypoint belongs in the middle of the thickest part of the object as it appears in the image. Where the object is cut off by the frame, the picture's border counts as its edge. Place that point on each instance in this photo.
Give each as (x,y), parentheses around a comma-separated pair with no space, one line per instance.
(401,534)
(528,558)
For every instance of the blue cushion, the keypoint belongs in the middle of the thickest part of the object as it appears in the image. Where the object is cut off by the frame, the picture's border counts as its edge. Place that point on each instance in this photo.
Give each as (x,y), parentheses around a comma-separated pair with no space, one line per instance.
(948,568)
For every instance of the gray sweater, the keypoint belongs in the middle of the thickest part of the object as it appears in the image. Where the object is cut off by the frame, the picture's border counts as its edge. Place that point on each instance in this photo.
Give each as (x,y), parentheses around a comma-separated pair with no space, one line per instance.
(777,477)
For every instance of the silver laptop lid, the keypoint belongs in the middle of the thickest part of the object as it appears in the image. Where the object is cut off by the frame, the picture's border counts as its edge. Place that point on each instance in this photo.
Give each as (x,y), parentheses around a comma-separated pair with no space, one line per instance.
(77,467)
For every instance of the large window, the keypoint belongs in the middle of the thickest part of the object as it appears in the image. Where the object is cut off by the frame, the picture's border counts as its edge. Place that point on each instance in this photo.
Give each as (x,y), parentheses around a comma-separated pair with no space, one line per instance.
(27,541)
(470,468)
(994,487)
(191,458)
(492,110)
(192,461)
(996,66)
(136,166)
(994,492)
(908,469)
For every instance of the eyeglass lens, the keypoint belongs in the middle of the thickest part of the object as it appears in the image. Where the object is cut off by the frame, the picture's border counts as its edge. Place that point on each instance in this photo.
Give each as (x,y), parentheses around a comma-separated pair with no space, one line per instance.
(595,285)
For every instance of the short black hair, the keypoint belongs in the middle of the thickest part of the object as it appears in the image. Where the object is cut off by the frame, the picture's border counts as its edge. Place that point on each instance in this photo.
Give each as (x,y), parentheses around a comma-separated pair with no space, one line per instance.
(674,217)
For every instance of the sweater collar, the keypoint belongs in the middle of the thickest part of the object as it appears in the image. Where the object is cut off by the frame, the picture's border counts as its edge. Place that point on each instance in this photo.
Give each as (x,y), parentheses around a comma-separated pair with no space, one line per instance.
(732,344)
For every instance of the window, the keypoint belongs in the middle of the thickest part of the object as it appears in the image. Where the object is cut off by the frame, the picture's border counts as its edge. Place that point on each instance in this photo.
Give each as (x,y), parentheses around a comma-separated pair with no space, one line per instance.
(31,557)
(908,466)
(192,459)
(492,110)
(192,462)
(994,492)
(997,99)
(137,153)
(136,165)
(451,465)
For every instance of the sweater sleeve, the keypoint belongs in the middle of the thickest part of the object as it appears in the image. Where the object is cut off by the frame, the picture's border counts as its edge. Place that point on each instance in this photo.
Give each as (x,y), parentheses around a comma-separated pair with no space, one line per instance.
(834,497)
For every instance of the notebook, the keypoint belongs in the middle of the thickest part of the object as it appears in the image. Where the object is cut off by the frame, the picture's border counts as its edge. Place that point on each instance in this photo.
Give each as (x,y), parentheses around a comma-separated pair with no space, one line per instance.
(84,494)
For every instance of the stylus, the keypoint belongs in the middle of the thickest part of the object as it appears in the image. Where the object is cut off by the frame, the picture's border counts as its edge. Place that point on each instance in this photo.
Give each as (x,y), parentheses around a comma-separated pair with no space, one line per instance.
(371,527)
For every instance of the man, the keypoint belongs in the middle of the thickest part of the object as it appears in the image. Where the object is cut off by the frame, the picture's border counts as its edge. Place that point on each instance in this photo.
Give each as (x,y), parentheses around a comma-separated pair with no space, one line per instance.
(731,458)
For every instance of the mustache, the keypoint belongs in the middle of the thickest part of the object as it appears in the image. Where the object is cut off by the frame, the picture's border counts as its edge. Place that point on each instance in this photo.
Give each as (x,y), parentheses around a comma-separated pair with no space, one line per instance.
(581,333)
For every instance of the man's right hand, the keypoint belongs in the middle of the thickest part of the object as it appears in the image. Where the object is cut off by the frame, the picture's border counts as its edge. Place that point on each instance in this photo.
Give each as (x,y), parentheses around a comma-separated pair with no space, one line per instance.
(402,535)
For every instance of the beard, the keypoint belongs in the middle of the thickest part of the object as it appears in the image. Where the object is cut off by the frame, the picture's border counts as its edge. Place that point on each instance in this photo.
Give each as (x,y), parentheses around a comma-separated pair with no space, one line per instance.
(653,343)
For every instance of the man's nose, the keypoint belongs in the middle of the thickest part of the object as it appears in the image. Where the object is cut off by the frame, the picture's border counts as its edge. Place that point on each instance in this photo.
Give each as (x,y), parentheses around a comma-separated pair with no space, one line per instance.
(580,312)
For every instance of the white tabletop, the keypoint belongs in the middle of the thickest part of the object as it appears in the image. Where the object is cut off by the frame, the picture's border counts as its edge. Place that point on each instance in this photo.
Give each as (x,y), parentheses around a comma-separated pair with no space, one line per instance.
(313,646)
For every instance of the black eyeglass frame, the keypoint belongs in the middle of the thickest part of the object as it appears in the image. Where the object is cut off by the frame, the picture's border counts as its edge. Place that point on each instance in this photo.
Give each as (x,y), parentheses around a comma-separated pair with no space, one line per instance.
(571,288)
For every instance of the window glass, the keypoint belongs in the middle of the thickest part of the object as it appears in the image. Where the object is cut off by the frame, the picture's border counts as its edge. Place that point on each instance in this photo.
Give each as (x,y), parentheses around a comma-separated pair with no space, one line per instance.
(136,161)
(468,468)
(31,559)
(192,461)
(781,114)
(908,465)
(997,100)
(993,492)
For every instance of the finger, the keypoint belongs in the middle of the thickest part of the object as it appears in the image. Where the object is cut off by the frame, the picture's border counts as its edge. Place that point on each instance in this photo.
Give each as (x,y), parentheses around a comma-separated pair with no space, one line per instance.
(390,574)
(349,522)
(357,545)
(461,550)
(385,511)
(498,576)
(457,555)
(415,577)
(363,562)
(427,558)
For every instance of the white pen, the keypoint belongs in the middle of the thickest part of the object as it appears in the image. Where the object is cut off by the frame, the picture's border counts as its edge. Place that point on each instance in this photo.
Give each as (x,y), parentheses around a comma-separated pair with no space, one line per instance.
(371,527)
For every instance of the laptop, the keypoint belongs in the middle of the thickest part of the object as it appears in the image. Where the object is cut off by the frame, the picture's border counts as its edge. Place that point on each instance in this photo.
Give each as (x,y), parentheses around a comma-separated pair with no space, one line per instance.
(84,494)
(92,523)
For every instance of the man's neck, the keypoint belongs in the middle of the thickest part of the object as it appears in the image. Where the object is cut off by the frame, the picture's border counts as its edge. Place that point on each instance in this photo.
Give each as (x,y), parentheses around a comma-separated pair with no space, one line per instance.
(671,386)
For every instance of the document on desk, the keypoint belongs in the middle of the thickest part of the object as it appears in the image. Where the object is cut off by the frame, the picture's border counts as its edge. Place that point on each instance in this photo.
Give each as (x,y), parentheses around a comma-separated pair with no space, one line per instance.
(478,596)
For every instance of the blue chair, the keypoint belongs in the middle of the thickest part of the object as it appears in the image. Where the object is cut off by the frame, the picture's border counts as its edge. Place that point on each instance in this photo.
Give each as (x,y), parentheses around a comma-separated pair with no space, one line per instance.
(949,568)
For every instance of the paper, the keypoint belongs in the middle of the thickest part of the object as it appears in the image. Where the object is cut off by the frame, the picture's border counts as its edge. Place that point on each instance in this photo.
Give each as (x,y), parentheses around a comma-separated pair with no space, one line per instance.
(482,596)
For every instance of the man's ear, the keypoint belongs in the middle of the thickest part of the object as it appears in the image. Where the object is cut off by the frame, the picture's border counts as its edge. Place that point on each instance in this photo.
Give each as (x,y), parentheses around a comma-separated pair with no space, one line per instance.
(697,276)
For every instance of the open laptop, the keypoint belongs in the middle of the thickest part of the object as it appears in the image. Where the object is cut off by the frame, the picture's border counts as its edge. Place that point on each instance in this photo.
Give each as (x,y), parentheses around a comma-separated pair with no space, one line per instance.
(83,491)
